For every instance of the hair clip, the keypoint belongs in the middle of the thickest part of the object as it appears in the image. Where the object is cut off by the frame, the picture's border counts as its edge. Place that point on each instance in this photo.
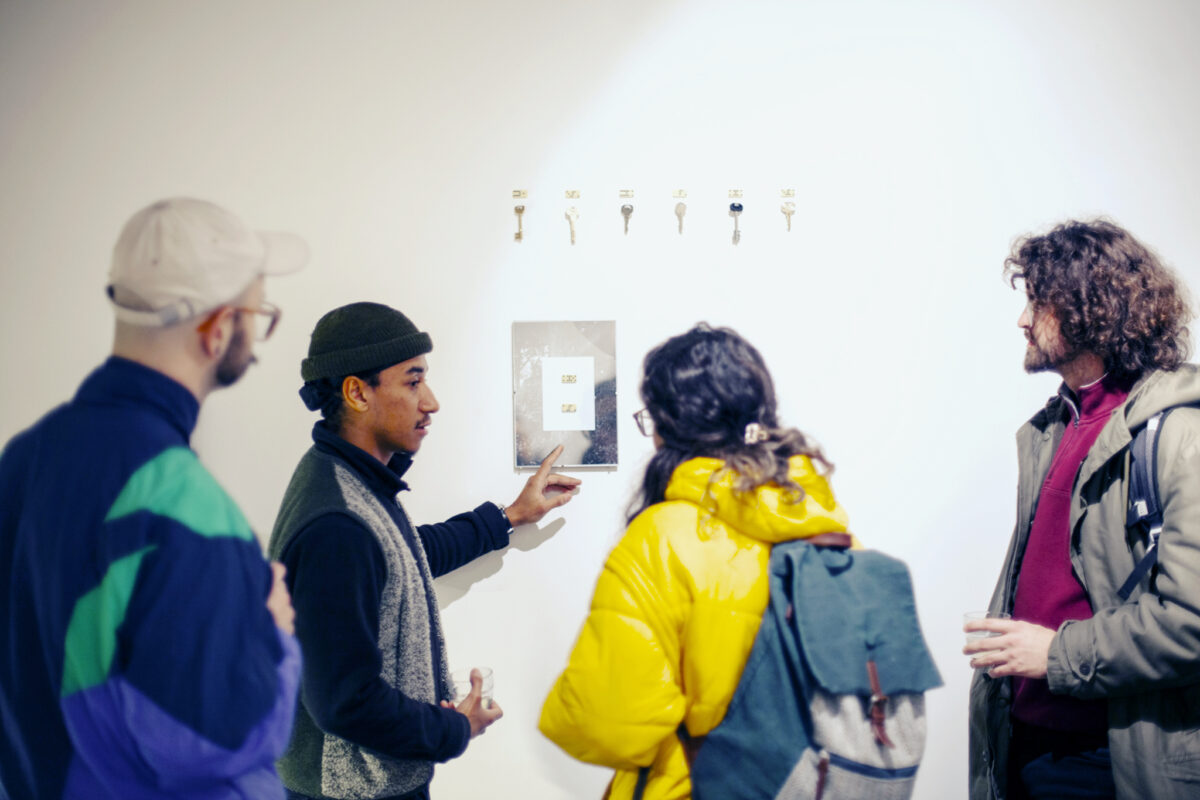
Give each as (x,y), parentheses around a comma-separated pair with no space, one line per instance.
(755,433)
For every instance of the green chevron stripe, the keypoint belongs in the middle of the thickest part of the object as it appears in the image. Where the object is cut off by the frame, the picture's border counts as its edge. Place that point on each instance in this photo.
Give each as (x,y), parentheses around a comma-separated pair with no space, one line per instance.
(175,485)
(92,631)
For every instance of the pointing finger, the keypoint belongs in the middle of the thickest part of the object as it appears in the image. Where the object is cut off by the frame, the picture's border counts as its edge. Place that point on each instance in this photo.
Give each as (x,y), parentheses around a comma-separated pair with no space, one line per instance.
(548,462)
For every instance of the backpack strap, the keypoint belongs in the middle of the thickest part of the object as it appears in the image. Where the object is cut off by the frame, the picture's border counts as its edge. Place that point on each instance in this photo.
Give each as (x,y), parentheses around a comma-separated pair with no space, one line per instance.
(831,539)
(640,788)
(1145,507)
(691,744)
(878,701)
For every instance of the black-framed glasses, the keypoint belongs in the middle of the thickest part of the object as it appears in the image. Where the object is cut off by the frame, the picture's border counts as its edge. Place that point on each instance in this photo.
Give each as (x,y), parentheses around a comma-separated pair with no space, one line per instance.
(645,422)
(271,312)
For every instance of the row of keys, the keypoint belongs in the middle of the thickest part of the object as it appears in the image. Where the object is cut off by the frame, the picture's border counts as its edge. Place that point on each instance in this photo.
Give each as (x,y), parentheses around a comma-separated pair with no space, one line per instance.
(572,216)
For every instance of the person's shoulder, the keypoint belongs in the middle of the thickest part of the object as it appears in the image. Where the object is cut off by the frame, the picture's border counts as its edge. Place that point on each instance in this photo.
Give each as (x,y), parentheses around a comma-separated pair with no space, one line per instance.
(313,484)
(314,458)
(1050,412)
(661,518)
(1160,390)
(17,449)
(321,471)
(1181,421)
(173,484)
(48,425)
(678,530)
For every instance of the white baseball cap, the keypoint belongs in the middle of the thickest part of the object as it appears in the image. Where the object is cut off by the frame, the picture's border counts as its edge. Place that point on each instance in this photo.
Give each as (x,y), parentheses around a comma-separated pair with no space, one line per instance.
(181,257)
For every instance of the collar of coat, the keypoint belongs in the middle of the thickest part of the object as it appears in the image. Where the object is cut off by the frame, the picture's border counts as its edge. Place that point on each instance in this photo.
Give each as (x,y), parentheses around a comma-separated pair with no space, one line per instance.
(1151,393)
(768,513)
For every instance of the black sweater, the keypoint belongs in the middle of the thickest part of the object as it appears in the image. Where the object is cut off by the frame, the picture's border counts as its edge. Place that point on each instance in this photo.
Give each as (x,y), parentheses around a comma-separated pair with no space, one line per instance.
(336,573)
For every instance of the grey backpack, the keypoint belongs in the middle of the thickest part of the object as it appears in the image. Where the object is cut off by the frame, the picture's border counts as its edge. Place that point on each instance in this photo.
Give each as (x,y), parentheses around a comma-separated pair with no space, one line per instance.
(830,705)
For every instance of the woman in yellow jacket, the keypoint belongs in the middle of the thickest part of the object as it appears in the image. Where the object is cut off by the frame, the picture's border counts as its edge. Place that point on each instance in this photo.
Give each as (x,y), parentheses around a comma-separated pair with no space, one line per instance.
(680,599)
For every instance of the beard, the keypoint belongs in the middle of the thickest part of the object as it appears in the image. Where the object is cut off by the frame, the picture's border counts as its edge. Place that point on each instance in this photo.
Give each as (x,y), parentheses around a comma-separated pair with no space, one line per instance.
(236,361)
(1046,359)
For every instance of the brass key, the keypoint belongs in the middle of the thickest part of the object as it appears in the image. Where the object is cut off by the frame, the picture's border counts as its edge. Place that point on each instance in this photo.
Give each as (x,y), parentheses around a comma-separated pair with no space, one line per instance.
(572,215)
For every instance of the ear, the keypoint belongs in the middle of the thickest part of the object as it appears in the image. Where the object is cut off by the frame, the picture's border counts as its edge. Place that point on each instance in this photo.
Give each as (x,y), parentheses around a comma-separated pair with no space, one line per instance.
(216,332)
(354,393)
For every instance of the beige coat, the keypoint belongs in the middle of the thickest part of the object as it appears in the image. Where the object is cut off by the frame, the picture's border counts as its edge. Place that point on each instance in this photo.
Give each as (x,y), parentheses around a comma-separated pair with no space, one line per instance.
(1143,656)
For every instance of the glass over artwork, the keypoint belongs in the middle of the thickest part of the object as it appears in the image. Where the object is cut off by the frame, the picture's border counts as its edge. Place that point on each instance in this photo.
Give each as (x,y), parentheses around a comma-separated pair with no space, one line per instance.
(565,392)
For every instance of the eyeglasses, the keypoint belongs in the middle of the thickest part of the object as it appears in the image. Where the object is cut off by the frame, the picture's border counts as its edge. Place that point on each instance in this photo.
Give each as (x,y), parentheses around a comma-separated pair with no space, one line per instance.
(645,422)
(271,312)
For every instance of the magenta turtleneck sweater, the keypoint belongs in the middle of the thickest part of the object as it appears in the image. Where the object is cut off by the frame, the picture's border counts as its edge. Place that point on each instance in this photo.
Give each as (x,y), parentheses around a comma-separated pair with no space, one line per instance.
(1047,591)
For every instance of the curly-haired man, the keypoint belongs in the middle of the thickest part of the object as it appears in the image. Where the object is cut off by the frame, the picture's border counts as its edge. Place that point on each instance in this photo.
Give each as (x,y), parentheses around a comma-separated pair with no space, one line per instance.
(1082,693)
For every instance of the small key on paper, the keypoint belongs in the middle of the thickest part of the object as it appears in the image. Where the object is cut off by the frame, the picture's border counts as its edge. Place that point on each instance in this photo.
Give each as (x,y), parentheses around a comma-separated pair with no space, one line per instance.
(680,210)
(626,212)
(520,212)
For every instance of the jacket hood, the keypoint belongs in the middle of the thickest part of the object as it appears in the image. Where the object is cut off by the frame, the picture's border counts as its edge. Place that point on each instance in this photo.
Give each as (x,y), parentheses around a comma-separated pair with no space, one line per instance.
(1160,390)
(764,514)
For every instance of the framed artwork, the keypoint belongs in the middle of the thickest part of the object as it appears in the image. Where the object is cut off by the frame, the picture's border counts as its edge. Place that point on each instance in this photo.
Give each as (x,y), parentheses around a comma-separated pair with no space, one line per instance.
(565,392)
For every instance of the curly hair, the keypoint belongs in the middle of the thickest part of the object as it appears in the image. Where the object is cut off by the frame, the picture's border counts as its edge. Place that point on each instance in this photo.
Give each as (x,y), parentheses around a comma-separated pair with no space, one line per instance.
(1111,295)
(702,388)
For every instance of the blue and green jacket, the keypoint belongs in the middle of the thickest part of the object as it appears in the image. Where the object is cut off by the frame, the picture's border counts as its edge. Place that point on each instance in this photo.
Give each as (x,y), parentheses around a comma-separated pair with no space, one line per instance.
(137,656)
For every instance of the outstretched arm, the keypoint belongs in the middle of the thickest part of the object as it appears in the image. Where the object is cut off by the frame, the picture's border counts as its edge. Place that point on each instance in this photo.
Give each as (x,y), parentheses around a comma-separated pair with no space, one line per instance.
(465,537)
(543,492)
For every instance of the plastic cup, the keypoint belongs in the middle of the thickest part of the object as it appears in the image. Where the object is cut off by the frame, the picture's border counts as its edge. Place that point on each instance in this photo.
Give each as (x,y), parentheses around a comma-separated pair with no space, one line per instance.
(462,685)
(975,616)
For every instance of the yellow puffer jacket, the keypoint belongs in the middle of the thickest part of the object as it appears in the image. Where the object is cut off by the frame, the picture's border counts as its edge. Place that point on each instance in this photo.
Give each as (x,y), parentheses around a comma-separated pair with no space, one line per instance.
(674,616)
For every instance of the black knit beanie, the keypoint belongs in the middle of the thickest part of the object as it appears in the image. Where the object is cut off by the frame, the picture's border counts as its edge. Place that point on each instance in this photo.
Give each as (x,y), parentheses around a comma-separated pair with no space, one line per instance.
(361,337)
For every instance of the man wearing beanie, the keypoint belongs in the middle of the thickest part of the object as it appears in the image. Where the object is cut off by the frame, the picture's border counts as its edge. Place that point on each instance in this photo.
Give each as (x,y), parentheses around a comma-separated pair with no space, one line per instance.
(147,648)
(375,711)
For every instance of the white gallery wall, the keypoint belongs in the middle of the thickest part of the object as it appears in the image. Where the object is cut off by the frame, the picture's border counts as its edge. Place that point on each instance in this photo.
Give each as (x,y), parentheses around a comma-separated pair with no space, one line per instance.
(920,139)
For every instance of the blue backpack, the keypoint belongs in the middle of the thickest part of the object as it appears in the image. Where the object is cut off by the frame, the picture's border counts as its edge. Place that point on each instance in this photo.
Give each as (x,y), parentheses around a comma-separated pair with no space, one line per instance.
(830,705)
(1145,506)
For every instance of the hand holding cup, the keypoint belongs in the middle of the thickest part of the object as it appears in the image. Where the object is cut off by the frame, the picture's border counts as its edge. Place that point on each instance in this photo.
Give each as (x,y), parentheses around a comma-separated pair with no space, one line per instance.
(473,695)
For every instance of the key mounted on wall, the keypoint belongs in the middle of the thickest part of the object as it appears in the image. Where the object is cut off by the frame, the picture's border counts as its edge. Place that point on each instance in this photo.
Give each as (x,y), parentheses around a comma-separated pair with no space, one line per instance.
(519,210)
(680,207)
(572,213)
(735,211)
(626,208)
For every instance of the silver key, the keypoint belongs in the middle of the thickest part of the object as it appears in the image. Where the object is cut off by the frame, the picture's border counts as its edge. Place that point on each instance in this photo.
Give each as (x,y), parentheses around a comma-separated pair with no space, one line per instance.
(572,215)
(788,209)
(626,212)
(735,211)
(680,210)
(520,234)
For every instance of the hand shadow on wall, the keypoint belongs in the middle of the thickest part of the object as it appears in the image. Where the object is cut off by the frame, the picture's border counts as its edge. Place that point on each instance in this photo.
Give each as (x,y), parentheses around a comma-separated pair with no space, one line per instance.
(454,585)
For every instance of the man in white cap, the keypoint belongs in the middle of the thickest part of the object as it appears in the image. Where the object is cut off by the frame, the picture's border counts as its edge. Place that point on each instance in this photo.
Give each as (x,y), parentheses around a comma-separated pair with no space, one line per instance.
(146,646)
